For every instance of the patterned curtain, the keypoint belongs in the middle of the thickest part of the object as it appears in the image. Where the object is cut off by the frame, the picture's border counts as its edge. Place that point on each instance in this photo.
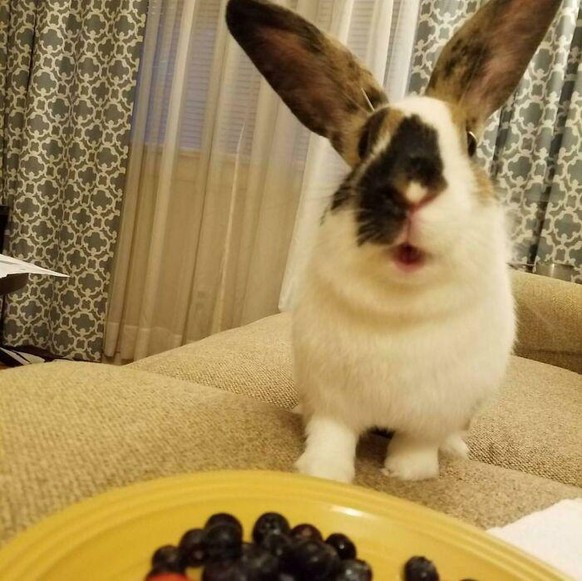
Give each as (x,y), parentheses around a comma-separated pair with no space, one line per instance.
(67,77)
(533,146)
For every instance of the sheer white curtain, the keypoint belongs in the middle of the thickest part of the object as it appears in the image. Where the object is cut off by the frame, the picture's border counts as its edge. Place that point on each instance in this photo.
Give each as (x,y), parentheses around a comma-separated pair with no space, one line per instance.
(382,34)
(225,188)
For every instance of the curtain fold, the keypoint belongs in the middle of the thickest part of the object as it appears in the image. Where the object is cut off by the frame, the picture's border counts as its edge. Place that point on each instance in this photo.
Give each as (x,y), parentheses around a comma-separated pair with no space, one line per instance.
(533,146)
(17,33)
(560,237)
(67,76)
(244,171)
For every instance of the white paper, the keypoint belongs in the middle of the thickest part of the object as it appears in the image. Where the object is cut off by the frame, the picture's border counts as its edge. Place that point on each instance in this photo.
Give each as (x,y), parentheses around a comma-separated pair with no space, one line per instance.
(553,535)
(9,265)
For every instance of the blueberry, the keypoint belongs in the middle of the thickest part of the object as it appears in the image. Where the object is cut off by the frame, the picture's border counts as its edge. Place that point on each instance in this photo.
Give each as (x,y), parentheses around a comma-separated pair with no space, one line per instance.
(343,546)
(224,571)
(191,547)
(312,560)
(354,570)
(222,542)
(258,564)
(277,544)
(270,522)
(420,569)
(168,559)
(306,531)
(222,518)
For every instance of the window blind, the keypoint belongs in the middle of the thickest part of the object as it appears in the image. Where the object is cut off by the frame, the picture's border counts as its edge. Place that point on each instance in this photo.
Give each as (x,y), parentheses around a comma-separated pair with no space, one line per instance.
(240,96)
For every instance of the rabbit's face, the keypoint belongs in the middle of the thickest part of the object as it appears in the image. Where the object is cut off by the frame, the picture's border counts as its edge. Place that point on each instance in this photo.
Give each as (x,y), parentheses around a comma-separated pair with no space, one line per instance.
(414,195)
(415,203)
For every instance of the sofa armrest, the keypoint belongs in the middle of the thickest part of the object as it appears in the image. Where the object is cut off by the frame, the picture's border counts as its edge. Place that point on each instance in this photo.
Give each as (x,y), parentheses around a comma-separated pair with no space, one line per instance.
(549,315)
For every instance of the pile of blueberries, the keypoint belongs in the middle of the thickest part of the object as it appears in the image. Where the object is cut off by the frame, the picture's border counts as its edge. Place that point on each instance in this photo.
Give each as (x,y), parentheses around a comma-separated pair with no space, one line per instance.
(277,553)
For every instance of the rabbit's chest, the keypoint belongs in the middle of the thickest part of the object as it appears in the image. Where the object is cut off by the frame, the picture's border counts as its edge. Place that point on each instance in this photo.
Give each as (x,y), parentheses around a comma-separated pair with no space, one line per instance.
(410,371)
(421,356)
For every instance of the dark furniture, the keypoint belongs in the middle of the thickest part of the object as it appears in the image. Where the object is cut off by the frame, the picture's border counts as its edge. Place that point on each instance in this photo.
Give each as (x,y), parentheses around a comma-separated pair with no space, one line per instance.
(12,282)
(4,213)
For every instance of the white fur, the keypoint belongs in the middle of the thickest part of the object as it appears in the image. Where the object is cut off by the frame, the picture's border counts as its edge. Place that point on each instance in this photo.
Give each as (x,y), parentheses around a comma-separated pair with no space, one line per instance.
(415,352)
(337,443)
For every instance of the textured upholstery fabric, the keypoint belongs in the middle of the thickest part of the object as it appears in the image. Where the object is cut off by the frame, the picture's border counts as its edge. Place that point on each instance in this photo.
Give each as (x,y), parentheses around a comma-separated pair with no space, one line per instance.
(72,430)
(534,425)
(549,320)
(254,360)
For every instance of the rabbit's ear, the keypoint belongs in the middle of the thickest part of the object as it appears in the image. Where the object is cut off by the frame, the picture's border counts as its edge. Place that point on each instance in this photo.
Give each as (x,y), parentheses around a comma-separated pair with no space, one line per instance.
(319,79)
(483,63)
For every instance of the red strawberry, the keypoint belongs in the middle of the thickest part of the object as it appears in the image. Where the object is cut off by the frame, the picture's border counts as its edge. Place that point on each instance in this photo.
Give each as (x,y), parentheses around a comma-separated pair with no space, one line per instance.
(167,577)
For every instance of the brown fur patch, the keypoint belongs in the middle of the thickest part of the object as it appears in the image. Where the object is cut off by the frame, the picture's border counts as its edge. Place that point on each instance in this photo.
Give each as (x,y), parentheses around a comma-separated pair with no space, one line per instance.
(392,121)
(380,124)
(485,191)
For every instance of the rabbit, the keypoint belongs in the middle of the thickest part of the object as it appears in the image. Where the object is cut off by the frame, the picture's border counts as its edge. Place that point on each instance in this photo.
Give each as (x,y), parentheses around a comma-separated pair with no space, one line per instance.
(405,320)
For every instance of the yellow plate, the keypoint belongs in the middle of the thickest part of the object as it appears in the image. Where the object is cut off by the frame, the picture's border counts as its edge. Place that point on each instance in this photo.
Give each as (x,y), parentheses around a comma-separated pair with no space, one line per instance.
(112,536)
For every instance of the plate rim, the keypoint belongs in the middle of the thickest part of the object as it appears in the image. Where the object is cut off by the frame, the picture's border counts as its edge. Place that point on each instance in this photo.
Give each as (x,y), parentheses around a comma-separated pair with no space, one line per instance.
(379,503)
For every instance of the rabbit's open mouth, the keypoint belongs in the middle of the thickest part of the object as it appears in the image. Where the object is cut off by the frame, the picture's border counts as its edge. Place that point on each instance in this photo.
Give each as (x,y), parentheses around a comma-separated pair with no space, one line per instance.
(408,258)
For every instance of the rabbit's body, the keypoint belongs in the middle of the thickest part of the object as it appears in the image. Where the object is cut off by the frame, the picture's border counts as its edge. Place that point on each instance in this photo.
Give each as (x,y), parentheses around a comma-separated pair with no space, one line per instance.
(417,361)
(405,320)
(414,352)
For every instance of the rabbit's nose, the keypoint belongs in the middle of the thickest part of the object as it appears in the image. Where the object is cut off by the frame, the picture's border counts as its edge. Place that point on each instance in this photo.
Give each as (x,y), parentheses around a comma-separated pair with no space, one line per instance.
(418,195)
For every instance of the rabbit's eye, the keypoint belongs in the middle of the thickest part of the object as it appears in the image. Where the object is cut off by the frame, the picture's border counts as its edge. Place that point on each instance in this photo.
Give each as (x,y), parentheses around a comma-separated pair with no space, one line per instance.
(471,143)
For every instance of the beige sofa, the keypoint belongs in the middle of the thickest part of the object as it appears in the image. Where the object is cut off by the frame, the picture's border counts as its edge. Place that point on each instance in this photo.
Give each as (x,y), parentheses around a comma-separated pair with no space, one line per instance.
(72,430)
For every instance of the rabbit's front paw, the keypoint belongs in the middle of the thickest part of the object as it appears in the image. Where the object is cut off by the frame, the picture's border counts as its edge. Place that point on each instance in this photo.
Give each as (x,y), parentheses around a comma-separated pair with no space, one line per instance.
(455,446)
(313,465)
(412,466)
(409,459)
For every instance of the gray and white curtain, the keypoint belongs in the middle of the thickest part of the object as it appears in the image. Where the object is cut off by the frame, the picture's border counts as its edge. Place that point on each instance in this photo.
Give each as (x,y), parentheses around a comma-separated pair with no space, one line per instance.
(67,77)
(533,146)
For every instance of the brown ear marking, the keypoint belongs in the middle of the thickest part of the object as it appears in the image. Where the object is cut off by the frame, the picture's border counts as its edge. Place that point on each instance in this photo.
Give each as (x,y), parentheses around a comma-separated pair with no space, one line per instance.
(485,60)
(317,77)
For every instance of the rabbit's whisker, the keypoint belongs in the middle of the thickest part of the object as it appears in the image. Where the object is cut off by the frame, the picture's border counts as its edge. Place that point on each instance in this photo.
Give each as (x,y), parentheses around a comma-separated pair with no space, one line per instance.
(368,100)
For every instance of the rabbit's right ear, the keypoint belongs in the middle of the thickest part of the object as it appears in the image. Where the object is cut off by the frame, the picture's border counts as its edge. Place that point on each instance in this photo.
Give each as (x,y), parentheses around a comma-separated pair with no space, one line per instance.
(485,60)
(319,79)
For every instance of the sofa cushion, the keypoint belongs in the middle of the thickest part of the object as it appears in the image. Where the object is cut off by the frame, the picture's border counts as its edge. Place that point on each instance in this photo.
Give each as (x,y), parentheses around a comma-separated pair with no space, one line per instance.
(534,426)
(71,430)
(549,317)
(254,360)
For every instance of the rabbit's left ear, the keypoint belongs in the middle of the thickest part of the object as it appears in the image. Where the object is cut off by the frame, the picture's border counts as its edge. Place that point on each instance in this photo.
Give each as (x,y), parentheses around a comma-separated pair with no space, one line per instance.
(483,63)
(318,78)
